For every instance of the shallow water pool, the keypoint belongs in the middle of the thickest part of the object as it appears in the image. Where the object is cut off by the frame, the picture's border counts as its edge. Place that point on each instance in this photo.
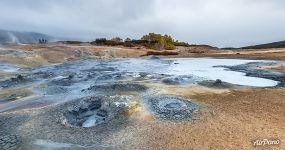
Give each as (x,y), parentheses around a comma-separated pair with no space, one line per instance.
(201,67)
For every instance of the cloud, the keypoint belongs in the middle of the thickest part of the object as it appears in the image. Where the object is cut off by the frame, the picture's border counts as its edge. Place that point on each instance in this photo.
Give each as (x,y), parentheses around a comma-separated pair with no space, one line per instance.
(215,22)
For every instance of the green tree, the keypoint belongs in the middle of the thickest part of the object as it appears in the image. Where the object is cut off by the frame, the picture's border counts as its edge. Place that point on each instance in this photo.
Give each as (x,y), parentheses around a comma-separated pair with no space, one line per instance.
(128,40)
(158,41)
(117,39)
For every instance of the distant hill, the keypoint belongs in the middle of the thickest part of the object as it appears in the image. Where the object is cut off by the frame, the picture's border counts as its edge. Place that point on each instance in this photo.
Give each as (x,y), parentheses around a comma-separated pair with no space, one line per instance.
(7,37)
(280,44)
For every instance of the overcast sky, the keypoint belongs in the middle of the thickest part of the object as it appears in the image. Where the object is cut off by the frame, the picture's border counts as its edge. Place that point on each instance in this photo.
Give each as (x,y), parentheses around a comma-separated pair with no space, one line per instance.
(217,22)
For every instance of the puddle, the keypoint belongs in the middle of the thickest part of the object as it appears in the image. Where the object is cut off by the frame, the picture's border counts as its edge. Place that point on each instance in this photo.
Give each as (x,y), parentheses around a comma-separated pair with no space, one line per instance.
(199,67)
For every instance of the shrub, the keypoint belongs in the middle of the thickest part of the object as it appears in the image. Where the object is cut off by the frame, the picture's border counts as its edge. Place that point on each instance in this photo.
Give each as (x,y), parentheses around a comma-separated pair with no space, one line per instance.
(103,41)
(99,41)
(128,40)
(151,40)
(177,43)
(71,42)
(117,39)
(158,41)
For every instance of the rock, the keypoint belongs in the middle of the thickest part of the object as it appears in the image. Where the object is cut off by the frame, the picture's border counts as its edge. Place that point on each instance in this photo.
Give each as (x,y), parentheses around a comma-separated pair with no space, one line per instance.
(62,82)
(20,77)
(102,113)
(70,77)
(218,82)
(213,113)
(154,57)
(117,87)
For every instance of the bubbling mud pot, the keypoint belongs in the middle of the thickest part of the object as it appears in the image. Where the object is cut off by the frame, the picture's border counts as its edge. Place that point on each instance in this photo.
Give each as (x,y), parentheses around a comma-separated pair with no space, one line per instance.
(171,107)
(94,110)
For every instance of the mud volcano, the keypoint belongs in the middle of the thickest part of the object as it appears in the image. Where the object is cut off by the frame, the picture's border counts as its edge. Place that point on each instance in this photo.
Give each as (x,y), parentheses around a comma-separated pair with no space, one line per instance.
(172,108)
(92,111)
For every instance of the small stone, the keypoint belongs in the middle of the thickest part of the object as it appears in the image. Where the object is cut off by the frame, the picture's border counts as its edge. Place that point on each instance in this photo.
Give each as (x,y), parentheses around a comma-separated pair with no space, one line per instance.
(213,113)
(218,81)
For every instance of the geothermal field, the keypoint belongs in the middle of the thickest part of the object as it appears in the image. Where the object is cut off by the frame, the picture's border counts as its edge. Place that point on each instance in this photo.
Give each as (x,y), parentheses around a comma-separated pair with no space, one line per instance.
(91,97)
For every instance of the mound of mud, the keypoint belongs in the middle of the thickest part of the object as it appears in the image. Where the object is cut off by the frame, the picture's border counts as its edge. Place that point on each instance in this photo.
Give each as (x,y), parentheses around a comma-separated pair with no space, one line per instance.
(14,81)
(54,90)
(219,84)
(102,68)
(252,69)
(118,87)
(154,57)
(171,107)
(146,76)
(180,80)
(68,81)
(43,75)
(92,111)
(113,77)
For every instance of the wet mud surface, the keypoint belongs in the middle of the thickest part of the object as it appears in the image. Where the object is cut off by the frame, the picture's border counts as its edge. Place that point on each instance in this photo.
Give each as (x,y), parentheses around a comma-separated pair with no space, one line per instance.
(83,103)
(171,107)
(10,142)
(253,70)
(92,111)
(182,80)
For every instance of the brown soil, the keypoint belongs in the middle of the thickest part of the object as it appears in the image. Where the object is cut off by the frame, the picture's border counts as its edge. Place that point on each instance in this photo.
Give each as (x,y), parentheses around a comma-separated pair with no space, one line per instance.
(58,53)
(228,121)
(162,53)
(277,67)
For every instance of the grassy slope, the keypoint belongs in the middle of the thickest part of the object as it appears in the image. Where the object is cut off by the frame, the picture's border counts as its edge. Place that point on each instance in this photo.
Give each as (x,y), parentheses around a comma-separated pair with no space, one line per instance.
(280,44)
